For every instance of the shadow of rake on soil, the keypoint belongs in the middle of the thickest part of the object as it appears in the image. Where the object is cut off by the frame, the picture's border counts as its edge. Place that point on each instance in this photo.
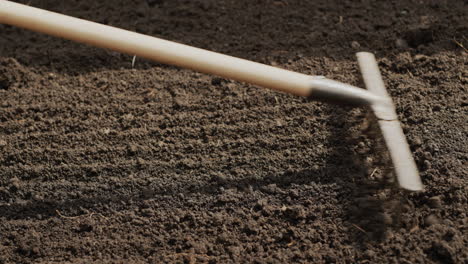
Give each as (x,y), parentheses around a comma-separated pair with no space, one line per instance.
(370,187)
(361,191)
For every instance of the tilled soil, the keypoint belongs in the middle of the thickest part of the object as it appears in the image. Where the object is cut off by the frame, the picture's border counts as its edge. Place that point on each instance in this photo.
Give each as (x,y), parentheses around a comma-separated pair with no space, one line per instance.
(108,163)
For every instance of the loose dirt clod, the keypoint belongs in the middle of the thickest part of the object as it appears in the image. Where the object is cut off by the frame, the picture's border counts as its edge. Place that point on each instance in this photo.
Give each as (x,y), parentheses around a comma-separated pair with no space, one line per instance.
(13,74)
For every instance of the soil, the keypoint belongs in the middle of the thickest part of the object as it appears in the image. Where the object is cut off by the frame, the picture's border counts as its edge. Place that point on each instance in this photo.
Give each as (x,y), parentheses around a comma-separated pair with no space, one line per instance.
(102,162)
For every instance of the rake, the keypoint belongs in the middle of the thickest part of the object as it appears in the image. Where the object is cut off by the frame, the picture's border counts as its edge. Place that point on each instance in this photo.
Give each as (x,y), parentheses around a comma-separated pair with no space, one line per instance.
(168,52)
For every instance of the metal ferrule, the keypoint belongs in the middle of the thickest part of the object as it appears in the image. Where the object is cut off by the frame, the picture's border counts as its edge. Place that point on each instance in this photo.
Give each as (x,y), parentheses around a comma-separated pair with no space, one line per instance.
(323,89)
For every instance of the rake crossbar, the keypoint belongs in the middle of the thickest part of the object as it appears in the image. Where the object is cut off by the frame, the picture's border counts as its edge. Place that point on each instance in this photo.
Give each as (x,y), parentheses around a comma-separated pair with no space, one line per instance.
(402,159)
(173,53)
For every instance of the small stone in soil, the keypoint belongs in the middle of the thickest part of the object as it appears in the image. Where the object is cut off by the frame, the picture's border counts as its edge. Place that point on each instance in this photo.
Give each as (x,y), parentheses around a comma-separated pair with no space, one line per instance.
(435,202)
(355,45)
(417,141)
(401,43)
(369,253)
(296,213)
(427,164)
(431,220)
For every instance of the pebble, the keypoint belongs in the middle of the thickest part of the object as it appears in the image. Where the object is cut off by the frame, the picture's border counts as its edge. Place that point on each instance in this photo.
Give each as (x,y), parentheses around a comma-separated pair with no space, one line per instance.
(3,143)
(355,45)
(401,43)
(427,164)
(369,253)
(432,148)
(431,220)
(420,57)
(296,213)
(37,197)
(234,251)
(271,189)
(106,131)
(148,212)
(132,149)
(15,183)
(427,155)
(435,202)
(261,203)
(406,208)
(138,222)
(219,179)
(14,180)
(417,141)
(140,161)
(251,228)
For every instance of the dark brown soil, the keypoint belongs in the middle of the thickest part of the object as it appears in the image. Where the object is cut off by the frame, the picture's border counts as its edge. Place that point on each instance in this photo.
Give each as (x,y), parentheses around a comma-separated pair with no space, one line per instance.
(101,162)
